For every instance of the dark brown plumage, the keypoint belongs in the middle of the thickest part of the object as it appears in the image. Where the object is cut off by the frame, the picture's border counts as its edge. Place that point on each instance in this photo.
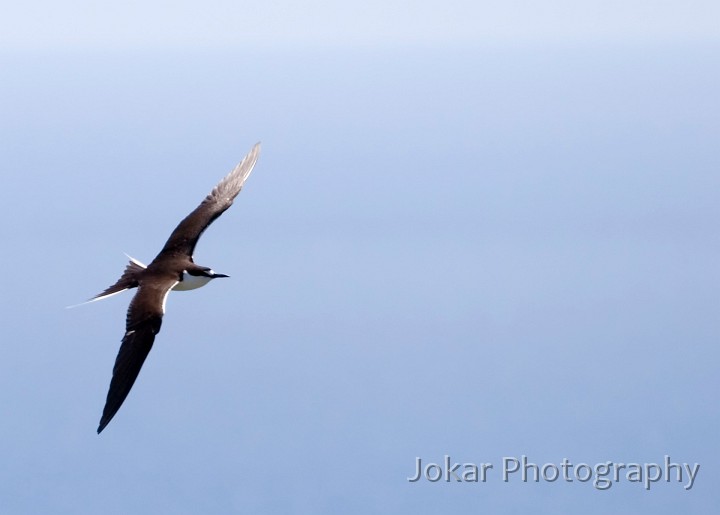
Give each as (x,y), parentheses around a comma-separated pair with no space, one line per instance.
(172,268)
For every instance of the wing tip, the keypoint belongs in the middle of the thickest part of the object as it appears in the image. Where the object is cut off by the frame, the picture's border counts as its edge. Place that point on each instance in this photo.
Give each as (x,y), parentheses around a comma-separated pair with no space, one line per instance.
(104,421)
(106,418)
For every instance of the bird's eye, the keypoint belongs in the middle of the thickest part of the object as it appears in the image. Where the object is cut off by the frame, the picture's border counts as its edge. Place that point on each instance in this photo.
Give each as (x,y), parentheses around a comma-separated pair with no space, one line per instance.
(210,272)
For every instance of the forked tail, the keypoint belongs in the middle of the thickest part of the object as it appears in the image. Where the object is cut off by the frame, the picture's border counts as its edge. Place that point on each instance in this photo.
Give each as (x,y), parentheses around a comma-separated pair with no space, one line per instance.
(129,279)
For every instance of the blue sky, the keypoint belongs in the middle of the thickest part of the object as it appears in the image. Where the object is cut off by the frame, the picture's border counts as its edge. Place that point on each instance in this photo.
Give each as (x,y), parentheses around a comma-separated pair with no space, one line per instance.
(478,230)
(185,24)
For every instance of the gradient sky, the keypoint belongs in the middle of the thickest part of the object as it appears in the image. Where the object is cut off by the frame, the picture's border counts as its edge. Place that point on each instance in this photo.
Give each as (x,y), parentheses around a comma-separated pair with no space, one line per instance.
(227,23)
(481,230)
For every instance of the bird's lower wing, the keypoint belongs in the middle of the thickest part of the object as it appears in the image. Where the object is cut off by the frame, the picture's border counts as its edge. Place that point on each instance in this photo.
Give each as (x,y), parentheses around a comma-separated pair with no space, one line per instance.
(144,319)
(136,345)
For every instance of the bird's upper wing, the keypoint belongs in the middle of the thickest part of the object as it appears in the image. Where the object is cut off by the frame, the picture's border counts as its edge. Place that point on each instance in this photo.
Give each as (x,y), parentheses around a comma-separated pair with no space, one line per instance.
(185,236)
(144,319)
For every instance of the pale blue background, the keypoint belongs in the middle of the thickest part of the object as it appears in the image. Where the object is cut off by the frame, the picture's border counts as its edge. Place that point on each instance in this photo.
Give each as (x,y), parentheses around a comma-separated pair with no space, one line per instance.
(480,229)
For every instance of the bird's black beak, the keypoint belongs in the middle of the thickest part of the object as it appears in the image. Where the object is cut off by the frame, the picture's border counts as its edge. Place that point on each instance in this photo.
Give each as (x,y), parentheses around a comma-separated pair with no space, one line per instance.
(215,276)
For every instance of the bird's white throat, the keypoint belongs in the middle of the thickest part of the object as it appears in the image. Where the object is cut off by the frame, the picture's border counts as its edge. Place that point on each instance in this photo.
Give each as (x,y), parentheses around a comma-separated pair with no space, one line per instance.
(191,282)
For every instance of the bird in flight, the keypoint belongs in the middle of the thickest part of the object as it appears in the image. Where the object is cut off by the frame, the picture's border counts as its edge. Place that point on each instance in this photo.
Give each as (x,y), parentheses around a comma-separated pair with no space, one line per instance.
(172,269)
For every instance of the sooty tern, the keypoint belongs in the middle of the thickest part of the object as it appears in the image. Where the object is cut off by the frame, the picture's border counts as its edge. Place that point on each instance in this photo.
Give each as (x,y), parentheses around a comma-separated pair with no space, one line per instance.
(172,269)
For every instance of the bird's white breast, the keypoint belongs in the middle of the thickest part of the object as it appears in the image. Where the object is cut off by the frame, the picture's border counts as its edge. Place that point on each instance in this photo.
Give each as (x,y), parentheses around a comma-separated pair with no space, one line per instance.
(191,282)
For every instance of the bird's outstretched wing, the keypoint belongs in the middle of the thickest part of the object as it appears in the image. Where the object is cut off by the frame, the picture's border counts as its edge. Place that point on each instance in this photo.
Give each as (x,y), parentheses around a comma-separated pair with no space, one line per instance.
(144,319)
(186,235)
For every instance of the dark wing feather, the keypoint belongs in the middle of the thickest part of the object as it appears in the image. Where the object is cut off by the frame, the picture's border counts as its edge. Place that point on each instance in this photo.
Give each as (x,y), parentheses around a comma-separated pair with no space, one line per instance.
(144,319)
(186,235)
